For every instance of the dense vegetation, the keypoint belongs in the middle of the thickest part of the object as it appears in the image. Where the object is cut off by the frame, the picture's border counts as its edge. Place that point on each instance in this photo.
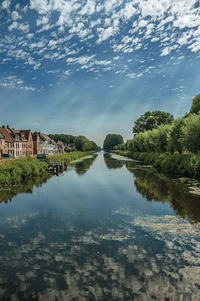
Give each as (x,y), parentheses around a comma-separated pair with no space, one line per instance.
(81,143)
(16,172)
(173,148)
(67,139)
(195,108)
(151,120)
(111,141)
(183,135)
(67,157)
(176,165)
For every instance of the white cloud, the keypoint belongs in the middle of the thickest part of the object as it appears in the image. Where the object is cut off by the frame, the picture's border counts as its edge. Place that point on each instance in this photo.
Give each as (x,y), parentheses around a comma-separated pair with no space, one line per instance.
(42,20)
(16,15)
(143,23)
(165,51)
(89,8)
(106,33)
(19,26)
(6,4)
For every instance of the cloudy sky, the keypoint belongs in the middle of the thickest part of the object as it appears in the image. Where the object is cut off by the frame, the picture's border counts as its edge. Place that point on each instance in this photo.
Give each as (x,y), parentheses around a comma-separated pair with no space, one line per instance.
(92,67)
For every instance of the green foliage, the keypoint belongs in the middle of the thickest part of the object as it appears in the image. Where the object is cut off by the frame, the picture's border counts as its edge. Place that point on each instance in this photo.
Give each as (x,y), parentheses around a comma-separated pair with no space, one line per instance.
(21,169)
(151,120)
(67,157)
(191,133)
(83,144)
(176,165)
(111,141)
(174,143)
(195,108)
(68,139)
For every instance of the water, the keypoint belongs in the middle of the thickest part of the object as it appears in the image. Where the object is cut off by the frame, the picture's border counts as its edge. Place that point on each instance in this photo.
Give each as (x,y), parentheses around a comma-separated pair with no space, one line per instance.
(106,229)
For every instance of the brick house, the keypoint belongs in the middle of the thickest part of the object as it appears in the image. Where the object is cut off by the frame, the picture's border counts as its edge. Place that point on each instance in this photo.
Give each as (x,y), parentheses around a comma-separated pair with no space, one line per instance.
(37,144)
(9,141)
(27,139)
(17,141)
(23,143)
(43,144)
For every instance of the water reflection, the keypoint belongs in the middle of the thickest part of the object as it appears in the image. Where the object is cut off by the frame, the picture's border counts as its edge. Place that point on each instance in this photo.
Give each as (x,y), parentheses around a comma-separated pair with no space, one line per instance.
(25,187)
(81,167)
(127,261)
(112,163)
(99,237)
(158,187)
(84,164)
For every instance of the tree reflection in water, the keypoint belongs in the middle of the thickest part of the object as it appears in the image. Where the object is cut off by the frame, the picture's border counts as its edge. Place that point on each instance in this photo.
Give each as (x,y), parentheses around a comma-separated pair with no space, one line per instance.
(25,187)
(157,187)
(84,164)
(112,163)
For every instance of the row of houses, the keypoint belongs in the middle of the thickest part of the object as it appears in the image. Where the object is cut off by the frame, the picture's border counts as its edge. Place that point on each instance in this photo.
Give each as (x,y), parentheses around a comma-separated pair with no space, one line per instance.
(19,143)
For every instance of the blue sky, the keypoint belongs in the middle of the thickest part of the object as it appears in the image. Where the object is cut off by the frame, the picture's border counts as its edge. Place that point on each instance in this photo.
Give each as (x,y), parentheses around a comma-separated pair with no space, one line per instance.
(92,67)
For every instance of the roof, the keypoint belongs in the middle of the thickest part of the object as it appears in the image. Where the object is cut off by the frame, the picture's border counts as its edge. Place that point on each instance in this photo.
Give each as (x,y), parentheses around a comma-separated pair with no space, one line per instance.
(60,143)
(6,135)
(47,138)
(26,133)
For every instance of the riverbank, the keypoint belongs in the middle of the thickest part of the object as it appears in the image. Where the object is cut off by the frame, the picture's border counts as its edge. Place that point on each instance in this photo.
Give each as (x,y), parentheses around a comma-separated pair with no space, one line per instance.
(175,165)
(18,171)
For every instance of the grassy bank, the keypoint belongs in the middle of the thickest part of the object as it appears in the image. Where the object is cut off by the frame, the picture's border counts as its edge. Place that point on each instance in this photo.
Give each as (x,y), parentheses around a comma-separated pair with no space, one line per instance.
(15,171)
(19,171)
(67,157)
(176,165)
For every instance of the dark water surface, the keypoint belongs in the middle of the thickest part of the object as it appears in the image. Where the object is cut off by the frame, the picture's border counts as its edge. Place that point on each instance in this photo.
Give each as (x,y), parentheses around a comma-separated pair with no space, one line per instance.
(106,229)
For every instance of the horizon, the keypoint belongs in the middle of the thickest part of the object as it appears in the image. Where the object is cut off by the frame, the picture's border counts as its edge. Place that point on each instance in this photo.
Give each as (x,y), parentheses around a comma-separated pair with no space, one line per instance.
(93,67)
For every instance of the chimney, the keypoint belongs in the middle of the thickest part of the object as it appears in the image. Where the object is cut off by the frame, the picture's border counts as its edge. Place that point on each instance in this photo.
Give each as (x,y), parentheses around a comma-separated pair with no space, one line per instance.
(7,126)
(3,126)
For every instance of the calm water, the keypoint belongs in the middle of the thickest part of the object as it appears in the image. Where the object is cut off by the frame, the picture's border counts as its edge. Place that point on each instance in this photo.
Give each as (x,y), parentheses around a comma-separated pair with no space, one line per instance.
(106,229)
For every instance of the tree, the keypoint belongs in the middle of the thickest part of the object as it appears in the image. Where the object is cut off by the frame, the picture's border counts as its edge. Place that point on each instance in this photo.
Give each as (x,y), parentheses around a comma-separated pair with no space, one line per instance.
(174,143)
(195,108)
(151,120)
(191,133)
(83,144)
(112,140)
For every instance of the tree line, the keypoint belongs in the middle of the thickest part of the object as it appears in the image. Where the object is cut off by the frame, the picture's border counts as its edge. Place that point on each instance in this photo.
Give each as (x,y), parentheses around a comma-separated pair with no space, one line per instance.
(158,132)
(81,143)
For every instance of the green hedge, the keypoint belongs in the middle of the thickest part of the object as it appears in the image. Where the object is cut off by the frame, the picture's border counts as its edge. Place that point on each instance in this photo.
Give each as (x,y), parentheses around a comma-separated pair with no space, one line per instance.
(176,165)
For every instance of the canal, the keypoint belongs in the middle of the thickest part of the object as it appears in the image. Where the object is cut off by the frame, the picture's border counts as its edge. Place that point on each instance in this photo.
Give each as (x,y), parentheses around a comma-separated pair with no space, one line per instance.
(107,229)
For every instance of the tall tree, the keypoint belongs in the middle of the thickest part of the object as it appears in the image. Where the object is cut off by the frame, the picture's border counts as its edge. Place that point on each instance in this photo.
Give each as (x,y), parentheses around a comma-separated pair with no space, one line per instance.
(195,108)
(151,120)
(112,140)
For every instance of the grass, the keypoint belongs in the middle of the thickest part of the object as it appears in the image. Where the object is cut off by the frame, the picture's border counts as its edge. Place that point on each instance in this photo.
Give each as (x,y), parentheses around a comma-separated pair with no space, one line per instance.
(67,157)
(17,171)
(176,165)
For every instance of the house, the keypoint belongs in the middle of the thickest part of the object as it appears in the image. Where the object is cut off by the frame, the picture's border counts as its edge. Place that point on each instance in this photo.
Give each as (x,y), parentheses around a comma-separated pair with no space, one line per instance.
(23,141)
(9,147)
(17,141)
(2,145)
(37,144)
(43,144)
(26,135)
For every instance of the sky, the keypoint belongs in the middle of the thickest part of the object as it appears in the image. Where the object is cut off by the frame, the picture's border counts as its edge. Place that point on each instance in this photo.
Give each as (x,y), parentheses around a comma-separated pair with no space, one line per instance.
(92,67)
